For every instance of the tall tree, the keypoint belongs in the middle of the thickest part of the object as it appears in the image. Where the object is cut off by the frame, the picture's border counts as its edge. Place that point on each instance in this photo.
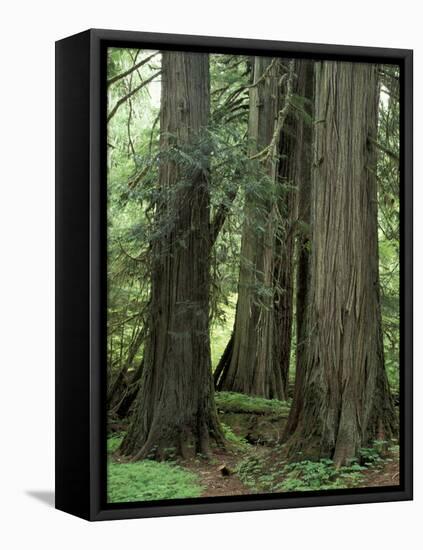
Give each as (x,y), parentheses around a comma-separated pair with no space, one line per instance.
(305,85)
(293,208)
(250,369)
(344,400)
(278,268)
(174,410)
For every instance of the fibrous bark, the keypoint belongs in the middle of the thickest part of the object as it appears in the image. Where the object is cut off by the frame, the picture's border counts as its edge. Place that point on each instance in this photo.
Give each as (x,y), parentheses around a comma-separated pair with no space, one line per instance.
(342,401)
(250,369)
(294,179)
(305,86)
(174,412)
(257,357)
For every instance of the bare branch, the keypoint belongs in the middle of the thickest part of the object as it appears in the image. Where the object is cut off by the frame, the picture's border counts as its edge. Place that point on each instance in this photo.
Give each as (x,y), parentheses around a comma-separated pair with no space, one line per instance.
(130,94)
(391,154)
(131,70)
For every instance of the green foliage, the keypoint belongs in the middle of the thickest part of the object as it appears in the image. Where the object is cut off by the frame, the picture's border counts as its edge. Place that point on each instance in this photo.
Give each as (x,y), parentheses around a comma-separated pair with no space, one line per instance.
(269,475)
(241,403)
(113,442)
(251,469)
(394,449)
(322,475)
(370,456)
(375,456)
(221,328)
(302,106)
(230,75)
(389,217)
(266,472)
(147,479)
(132,139)
(236,440)
(150,480)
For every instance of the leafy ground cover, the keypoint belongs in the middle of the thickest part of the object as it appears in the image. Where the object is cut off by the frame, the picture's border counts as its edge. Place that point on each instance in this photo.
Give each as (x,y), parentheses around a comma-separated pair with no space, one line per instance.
(247,465)
(147,479)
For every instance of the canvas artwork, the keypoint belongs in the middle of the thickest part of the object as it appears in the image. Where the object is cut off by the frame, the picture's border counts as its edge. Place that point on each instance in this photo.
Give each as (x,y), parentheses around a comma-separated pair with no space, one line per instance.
(253,267)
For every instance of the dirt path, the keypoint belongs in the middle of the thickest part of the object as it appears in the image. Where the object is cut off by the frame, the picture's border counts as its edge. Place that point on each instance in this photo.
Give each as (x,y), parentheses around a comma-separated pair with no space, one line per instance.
(218,476)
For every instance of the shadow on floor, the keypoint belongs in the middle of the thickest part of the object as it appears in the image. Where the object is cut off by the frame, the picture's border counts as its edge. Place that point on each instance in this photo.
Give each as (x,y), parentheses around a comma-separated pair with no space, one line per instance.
(46,497)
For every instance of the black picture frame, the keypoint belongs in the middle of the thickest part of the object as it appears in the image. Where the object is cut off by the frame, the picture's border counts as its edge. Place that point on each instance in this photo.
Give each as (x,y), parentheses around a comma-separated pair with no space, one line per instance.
(81,284)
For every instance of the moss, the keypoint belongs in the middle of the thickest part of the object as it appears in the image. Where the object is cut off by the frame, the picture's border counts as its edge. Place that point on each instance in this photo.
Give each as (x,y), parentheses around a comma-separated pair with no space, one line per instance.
(241,403)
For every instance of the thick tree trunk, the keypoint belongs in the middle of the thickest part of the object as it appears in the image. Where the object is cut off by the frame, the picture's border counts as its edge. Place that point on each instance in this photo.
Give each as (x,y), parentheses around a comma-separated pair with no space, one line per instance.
(344,401)
(276,319)
(175,412)
(305,86)
(251,368)
(294,176)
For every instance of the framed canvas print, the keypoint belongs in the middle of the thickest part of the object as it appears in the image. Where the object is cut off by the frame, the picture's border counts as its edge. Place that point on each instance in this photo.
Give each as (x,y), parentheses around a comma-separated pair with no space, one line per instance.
(234,274)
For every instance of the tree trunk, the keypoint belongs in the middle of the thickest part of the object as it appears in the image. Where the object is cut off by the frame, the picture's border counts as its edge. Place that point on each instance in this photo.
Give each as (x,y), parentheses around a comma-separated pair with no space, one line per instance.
(294,176)
(344,400)
(222,367)
(122,385)
(305,81)
(278,327)
(250,369)
(174,411)
(131,390)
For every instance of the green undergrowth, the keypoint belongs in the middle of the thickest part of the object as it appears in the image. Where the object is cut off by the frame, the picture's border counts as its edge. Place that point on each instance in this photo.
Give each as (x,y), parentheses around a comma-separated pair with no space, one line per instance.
(267,473)
(238,441)
(147,479)
(322,475)
(278,476)
(113,442)
(263,469)
(150,480)
(241,403)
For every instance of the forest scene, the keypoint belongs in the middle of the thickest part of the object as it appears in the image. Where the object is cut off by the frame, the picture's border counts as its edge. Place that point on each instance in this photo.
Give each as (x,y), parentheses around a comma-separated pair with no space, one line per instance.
(253,275)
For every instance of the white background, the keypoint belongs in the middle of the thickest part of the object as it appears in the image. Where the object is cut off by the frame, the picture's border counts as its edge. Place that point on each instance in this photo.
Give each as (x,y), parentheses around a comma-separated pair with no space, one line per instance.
(28,32)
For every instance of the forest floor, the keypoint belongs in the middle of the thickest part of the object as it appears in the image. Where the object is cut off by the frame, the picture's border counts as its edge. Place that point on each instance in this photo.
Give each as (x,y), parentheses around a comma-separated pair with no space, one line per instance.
(252,463)
(215,483)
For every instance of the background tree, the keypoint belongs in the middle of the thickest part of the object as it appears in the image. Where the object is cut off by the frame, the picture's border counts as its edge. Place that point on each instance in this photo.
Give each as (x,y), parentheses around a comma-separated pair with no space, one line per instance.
(133,160)
(305,86)
(175,411)
(344,401)
(388,143)
(281,213)
(132,175)
(250,369)
(294,207)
